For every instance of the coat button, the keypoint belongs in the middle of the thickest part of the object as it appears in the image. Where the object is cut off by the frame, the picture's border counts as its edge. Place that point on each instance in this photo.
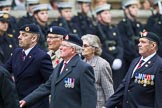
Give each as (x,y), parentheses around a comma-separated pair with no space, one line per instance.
(127,102)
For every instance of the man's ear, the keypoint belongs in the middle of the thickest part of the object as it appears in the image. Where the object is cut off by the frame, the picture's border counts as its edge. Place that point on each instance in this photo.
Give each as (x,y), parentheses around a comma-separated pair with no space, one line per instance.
(153,45)
(34,38)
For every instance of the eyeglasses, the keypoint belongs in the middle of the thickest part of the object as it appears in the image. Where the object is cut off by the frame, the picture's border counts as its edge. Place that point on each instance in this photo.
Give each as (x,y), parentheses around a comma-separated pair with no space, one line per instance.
(63,45)
(85,45)
(50,37)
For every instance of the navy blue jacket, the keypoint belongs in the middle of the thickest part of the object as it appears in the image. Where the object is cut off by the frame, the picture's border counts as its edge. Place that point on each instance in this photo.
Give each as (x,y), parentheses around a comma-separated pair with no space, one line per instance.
(133,92)
(32,72)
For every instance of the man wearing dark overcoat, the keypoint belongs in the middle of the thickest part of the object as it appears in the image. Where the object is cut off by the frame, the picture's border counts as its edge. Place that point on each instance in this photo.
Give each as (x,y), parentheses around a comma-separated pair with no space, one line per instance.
(72,83)
(141,87)
(30,65)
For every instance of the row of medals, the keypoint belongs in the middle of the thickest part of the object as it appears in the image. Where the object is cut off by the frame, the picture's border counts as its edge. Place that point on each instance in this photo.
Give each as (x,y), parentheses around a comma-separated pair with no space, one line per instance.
(69,82)
(144,79)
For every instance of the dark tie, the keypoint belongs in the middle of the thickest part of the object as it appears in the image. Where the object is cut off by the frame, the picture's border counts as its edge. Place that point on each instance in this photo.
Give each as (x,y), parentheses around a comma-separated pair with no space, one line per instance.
(140,64)
(23,55)
(63,68)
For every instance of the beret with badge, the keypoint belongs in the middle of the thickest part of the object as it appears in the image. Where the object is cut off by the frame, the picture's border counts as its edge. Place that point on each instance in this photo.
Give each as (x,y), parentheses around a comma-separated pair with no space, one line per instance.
(4,16)
(57,30)
(151,36)
(73,38)
(30,28)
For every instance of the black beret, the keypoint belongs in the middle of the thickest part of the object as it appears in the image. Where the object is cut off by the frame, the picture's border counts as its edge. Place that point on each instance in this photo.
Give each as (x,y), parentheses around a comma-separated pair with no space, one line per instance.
(4,16)
(57,30)
(75,39)
(30,28)
(151,36)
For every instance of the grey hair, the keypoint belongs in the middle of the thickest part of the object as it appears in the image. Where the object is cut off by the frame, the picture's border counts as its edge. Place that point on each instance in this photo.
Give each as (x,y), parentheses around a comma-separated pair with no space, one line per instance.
(77,47)
(93,41)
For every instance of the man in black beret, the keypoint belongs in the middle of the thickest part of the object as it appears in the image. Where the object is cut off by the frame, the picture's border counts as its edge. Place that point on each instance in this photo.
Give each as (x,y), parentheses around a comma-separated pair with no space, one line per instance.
(30,65)
(141,87)
(54,39)
(72,83)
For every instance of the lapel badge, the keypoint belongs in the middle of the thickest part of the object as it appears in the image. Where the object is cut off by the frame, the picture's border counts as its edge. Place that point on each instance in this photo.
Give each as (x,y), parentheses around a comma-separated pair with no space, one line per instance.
(149,62)
(74,30)
(138,25)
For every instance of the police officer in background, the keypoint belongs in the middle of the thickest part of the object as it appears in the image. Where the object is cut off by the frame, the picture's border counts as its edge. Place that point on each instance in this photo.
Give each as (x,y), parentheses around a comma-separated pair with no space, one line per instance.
(129,29)
(5,5)
(154,22)
(82,19)
(28,19)
(111,42)
(65,19)
(40,14)
(7,42)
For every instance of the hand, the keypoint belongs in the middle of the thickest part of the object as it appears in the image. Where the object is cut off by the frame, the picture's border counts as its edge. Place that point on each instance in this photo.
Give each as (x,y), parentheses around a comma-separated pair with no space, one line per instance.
(117,64)
(22,103)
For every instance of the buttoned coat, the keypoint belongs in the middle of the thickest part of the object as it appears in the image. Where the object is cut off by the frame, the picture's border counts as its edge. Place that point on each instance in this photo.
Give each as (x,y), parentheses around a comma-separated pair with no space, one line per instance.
(136,94)
(103,79)
(60,86)
(32,72)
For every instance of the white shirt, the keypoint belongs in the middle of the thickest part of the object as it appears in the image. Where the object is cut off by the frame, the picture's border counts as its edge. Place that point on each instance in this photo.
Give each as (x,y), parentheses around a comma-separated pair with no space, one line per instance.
(145,60)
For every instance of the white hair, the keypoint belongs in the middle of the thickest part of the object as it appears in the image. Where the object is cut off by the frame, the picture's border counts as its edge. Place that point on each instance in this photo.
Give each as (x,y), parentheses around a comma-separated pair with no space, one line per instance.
(77,47)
